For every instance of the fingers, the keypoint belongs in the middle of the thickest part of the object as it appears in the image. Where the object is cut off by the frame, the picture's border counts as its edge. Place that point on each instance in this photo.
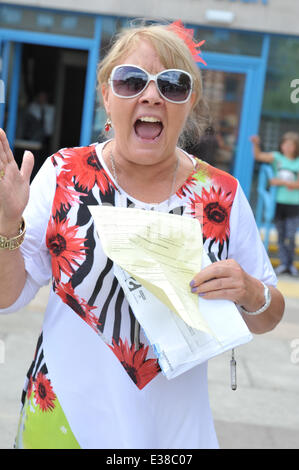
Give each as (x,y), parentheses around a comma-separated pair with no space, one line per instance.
(223,279)
(255,139)
(6,157)
(215,270)
(27,165)
(3,159)
(217,289)
(5,151)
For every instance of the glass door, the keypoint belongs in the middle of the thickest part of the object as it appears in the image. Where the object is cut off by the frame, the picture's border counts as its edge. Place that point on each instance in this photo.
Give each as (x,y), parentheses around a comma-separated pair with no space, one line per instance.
(41,63)
(234,86)
(224,93)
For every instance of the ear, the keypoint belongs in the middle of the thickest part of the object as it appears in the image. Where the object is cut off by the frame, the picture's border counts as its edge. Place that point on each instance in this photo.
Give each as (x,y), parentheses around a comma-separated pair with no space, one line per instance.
(105,93)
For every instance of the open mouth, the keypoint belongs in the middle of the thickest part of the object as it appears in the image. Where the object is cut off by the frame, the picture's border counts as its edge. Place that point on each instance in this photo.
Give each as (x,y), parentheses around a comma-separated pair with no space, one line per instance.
(148,128)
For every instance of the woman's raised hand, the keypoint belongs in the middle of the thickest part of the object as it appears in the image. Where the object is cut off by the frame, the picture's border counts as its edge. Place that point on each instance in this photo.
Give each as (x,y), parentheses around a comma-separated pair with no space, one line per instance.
(255,139)
(14,187)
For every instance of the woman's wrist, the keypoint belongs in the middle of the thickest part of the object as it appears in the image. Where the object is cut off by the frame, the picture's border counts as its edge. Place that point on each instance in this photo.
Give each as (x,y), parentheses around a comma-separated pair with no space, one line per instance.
(256,300)
(12,229)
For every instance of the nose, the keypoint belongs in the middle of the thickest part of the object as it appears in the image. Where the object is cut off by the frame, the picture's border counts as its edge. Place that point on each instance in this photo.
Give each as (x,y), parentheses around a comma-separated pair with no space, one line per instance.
(151,94)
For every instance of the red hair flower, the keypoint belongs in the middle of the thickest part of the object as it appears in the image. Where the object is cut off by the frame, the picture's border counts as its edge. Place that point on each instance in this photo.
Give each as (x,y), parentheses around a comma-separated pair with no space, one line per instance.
(187,35)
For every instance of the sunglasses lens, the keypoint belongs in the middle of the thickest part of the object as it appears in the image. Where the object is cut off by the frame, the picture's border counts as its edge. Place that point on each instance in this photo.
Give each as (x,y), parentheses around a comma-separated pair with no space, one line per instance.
(174,85)
(128,81)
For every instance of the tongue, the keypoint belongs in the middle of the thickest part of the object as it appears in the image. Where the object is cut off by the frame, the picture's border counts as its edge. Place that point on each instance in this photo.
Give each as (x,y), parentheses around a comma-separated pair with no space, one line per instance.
(148,130)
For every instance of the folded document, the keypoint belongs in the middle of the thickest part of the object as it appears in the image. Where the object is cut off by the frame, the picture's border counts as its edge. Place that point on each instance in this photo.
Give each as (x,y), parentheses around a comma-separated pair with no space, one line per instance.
(155,256)
(178,346)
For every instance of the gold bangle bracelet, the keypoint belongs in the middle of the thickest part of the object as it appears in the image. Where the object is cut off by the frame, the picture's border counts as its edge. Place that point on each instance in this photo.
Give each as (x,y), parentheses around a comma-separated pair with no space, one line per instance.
(14,242)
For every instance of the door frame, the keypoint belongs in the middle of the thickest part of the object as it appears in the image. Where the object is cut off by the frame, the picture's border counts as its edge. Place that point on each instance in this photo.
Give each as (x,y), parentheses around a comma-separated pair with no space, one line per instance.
(19,37)
(254,69)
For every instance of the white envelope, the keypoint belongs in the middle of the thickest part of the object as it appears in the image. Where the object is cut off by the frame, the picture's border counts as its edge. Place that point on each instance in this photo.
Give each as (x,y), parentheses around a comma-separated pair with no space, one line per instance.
(178,346)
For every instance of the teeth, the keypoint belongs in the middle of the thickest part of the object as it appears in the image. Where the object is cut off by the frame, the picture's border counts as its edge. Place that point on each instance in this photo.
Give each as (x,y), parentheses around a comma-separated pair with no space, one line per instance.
(149,119)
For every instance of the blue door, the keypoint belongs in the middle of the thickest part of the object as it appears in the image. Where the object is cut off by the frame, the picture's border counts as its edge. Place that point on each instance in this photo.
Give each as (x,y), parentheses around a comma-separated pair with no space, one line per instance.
(11,44)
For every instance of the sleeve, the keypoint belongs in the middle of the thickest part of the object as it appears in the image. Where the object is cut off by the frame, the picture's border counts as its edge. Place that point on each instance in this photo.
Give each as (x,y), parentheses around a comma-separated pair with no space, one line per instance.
(245,244)
(34,250)
(276,155)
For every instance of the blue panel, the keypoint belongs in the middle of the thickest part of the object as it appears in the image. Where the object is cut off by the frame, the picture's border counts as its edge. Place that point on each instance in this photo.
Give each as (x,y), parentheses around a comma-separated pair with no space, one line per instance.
(230,62)
(254,99)
(46,39)
(90,86)
(14,95)
(243,160)
(4,75)
(2,85)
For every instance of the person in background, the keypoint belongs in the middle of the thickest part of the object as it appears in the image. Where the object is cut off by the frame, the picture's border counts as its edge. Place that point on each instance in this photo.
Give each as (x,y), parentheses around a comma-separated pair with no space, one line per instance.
(206,147)
(39,122)
(285,163)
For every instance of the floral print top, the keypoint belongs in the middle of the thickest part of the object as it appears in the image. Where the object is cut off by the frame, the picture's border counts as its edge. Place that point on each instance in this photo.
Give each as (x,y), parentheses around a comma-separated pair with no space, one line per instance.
(71,240)
(97,365)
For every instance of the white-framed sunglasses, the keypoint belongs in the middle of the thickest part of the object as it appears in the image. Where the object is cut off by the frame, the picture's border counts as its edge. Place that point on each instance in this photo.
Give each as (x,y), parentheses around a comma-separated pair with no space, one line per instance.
(129,81)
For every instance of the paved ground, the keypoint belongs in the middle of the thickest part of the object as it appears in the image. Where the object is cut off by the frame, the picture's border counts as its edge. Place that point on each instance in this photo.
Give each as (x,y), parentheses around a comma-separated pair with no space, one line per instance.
(262,413)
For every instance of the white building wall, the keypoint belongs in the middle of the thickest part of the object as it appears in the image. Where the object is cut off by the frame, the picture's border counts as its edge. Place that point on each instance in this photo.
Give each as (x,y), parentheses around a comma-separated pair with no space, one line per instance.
(277,16)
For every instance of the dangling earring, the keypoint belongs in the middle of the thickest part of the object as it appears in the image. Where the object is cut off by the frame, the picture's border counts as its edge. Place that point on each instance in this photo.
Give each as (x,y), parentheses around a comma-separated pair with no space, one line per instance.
(108,125)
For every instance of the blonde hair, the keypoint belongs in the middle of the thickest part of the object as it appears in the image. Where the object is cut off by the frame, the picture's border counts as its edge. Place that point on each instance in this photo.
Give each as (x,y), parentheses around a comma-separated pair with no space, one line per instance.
(173,53)
(294,137)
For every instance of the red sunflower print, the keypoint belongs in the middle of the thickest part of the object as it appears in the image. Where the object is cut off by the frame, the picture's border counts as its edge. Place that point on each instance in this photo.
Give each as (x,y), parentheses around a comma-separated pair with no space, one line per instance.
(65,249)
(221,179)
(216,206)
(140,369)
(185,188)
(43,393)
(79,305)
(29,388)
(65,196)
(82,163)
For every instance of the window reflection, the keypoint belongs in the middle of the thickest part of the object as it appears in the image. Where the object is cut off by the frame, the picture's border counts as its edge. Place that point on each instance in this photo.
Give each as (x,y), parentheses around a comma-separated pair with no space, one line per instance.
(230,42)
(46,21)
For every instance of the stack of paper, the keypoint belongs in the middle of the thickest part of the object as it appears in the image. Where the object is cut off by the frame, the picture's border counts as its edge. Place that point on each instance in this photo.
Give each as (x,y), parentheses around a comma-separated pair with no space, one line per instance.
(155,257)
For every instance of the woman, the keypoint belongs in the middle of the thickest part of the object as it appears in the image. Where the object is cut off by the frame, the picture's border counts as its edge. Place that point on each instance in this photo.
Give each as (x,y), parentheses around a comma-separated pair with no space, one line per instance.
(95,381)
(285,163)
